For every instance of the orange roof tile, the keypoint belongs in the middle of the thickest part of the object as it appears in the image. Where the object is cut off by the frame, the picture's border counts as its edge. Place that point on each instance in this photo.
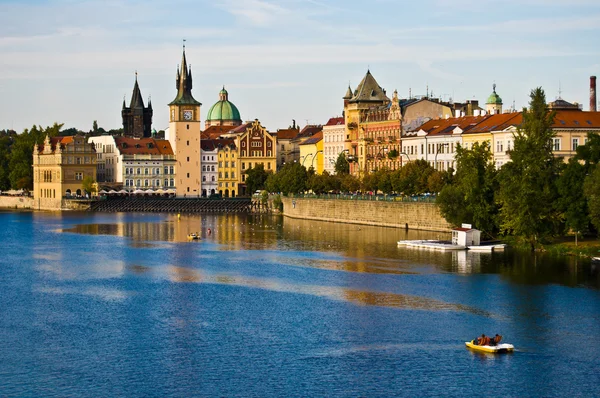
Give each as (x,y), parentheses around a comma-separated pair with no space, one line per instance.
(216,131)
(143,146)
(286,134)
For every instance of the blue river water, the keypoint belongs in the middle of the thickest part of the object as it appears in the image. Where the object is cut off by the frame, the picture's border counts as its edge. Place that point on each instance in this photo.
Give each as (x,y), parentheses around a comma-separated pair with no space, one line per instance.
(124,305)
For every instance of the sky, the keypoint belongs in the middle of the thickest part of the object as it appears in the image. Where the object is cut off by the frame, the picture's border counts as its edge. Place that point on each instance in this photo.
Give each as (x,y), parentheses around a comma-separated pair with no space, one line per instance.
(73,62)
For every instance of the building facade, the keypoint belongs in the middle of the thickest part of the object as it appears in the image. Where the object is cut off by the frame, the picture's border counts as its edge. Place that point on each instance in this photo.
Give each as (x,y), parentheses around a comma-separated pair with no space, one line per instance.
(311,153)
(146,164)
(228,168)
(60,166)
(256,146)
(333,142)
(210,184)
(108,159)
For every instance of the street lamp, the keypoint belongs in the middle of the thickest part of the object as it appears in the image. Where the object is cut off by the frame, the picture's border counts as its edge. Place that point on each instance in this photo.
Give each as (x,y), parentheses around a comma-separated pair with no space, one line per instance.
(305,158)
(437,150)
(313,159)
(405,154)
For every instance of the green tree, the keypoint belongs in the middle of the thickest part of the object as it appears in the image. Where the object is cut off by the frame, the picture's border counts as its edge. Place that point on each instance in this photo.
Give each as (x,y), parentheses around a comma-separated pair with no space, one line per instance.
(341,164)
(412,178)
(470,196)
(590,152)
(6,143)
(528,182)
(572,204)
(349,183)
(89,185)
(256,177)
(592,193)
(292,178)
(95,127)
(21,157)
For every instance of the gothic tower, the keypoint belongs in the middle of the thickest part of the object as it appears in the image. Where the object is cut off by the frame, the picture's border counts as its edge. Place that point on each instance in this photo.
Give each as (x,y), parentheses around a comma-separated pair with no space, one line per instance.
(184,133)
(137,119)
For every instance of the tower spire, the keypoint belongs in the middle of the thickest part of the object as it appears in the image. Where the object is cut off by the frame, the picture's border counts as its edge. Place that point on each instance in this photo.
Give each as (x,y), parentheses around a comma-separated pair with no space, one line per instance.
(184,83)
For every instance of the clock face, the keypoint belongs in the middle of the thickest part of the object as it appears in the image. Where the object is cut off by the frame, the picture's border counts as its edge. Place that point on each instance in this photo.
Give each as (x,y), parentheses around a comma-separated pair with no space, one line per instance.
(187,115)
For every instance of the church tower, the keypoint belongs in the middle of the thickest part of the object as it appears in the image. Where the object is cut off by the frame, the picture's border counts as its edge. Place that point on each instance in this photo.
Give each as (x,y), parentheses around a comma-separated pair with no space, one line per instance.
(184,133)
(137,119)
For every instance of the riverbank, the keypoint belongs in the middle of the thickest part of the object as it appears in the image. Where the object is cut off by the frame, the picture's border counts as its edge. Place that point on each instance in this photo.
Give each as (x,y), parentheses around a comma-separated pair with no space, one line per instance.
(420,216)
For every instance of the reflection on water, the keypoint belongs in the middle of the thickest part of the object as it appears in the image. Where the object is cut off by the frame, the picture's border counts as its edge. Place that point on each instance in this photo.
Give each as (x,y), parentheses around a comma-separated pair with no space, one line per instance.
(360,297)
(360,249)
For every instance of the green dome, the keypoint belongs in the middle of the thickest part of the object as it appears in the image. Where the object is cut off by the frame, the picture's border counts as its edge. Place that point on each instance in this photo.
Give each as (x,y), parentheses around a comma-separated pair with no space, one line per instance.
(223,109)
(494,98)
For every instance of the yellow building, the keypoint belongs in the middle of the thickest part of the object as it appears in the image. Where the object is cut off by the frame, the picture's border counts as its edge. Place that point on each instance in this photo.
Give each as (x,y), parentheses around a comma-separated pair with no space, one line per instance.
(59,167)
(311,153)
(184,134)
(256,146)
(228,168)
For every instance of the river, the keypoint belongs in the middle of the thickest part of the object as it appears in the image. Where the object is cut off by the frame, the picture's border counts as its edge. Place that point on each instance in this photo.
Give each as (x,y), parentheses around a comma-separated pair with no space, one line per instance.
(96,304)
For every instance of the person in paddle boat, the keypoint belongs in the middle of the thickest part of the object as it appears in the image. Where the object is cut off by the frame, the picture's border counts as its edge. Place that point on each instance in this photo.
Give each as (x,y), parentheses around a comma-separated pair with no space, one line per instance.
(484,340)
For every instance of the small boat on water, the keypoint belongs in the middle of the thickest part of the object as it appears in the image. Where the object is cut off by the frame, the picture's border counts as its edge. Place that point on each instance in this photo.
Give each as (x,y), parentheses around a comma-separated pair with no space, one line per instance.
(492,349)
(193,236)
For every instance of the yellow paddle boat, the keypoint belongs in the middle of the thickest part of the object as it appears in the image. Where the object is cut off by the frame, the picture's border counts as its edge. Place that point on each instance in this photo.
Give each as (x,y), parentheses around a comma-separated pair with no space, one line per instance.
(492,349)
(193,236)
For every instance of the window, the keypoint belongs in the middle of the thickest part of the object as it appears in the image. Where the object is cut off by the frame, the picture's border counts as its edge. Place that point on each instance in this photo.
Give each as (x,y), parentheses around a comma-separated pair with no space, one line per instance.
(233,174)
(212,168)
(499,146)
(139,171)
(188,143)
(556,144)
(79,176)
(232,163)
(575,143)
(166,170)
(220,164)
(172,182)
(226,164)
(243,166)
(146,171)
(203,168)
(282,147)
(166,182)
(188,158)
(203,178)
(212,178)
(145,183)
(188,175)
(171,170)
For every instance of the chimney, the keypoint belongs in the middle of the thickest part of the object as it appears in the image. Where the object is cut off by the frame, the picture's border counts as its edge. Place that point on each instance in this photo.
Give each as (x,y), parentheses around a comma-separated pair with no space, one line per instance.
(592,93)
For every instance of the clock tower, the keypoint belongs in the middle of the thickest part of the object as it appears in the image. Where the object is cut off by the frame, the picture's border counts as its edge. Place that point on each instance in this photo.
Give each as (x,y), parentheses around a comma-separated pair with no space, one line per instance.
(184,133)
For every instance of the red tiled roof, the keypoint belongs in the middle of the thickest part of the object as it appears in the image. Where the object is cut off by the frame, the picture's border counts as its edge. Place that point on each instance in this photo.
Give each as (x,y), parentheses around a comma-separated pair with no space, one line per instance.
(336,121)
(447,126)
(496,122)
(576,119)
(216,131)
(286,134)
(143,146)
(314,139)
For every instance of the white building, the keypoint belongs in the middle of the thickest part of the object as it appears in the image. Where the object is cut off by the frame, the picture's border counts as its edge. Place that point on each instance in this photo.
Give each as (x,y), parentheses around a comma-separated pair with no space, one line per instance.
(209,174)
(108,160)
(333,142)
(135,163)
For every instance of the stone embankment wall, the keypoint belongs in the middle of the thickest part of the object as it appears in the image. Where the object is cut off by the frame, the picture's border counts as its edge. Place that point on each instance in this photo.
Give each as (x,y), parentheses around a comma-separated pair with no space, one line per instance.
(411,215)
(16,202)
